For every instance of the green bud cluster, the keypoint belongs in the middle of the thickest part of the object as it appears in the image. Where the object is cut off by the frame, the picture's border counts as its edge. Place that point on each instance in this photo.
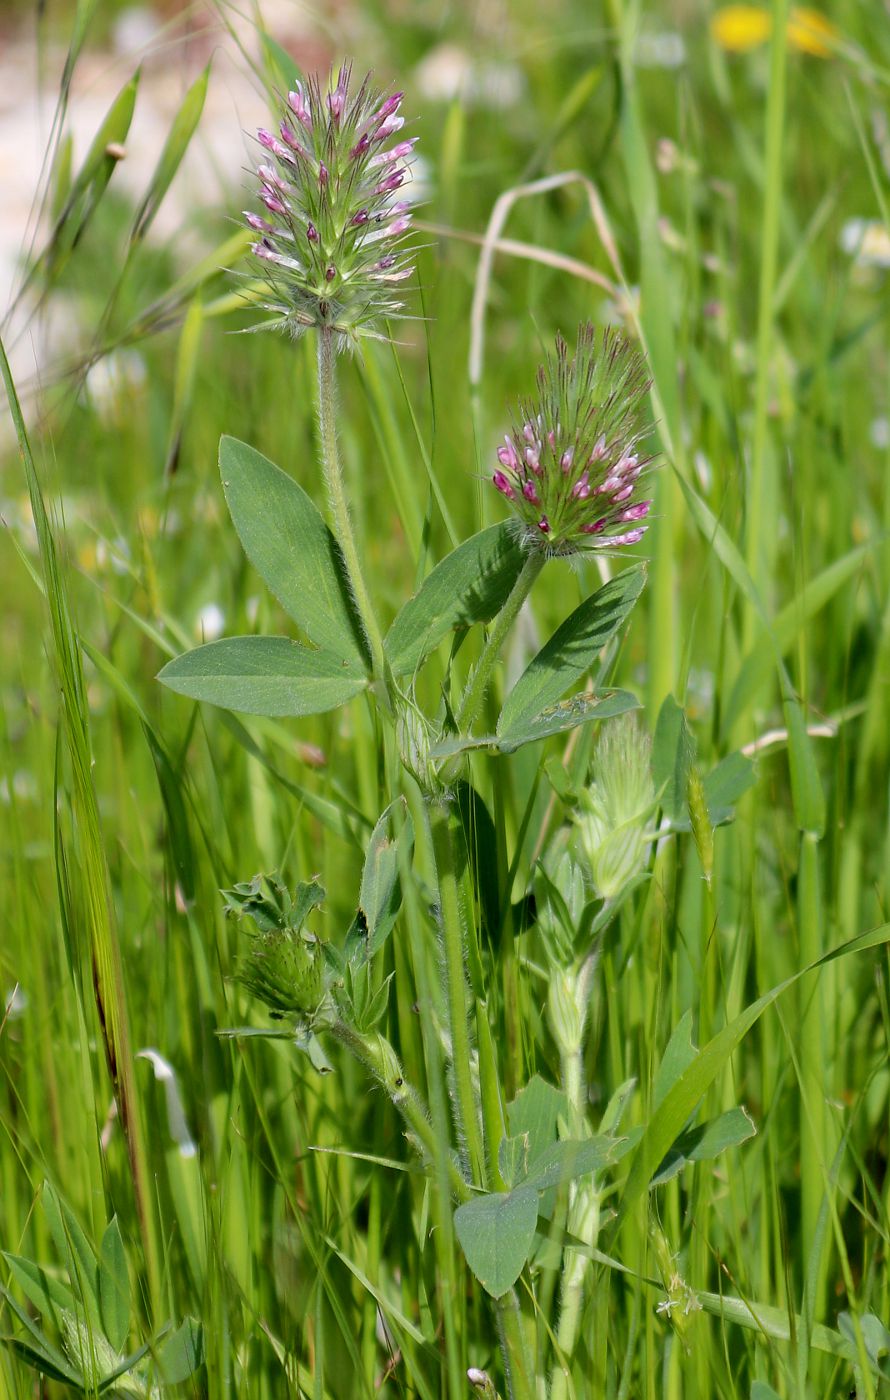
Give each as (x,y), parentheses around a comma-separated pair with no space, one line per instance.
(284,966)
(88,1349)
(614,810)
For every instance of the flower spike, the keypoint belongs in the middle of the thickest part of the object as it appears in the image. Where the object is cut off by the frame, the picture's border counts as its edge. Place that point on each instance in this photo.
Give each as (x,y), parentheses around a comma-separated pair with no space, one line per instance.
(327,188)
(571,468)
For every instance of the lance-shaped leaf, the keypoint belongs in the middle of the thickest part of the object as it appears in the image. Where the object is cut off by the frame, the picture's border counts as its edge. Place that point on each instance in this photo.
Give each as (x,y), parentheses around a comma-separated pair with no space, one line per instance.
(180,1354)
(35,1347)
(75,1249)
(569,653)
(264,676)
(470,585)
(47,1293)
(566,1160)
(566,714)
(170,159)
(380,898)
(291,547)
(114,1287)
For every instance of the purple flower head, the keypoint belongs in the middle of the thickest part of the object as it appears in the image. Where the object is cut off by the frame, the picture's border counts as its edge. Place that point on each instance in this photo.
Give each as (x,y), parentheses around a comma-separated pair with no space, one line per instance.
(571,467)
(328,188)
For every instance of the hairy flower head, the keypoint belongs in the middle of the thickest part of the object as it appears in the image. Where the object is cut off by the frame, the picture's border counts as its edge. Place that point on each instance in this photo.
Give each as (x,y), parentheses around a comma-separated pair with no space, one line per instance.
(616,806)
(284,962)
(571,468)
(331,231)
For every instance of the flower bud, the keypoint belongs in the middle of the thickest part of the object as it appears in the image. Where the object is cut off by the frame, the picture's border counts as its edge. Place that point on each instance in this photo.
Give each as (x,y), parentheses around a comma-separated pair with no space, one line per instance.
(560,897)
(413,739)
(88,1349)
(615,808)
(284,963)
(483,1383)
(565,1014)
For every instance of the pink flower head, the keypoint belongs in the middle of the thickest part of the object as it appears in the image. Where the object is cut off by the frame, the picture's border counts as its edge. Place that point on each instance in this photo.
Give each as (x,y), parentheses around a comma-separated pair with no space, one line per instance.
(571,464)
(328,188)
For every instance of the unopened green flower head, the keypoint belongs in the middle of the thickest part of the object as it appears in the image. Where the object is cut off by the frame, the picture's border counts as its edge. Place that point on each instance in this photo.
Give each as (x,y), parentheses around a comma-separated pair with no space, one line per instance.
(284,963)
(88,1349)
(616,807)
(331,238)
(284,969)
(571,467)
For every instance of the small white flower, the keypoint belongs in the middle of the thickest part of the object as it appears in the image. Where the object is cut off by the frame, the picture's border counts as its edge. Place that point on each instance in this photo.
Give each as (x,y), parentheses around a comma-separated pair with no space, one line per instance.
(660,50)
(879,432)
(210,622)
(867,241)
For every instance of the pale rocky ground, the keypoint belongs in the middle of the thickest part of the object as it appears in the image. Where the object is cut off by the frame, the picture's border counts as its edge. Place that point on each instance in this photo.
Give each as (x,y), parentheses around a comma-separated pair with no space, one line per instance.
(172,54)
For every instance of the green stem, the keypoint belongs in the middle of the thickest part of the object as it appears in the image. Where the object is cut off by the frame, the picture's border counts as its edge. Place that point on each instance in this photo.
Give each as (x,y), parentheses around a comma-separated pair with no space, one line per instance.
(377,1053)
(571,1297)
(477,685)
(575,1266)
(456,992)
(333,472)
(573,1085)
(817,1142)
(518,1364)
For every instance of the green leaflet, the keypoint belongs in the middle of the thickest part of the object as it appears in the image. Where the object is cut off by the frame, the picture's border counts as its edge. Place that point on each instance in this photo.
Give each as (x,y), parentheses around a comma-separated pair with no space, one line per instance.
(701,1144)
(114,1287)
(496,1233)
(566,714)
(569,654)
(291,547)
(380,898)
(264,676)
(470,585)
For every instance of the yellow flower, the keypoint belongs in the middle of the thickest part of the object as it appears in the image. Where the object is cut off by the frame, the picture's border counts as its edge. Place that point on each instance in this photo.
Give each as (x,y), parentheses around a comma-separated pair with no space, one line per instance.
(740,28)
(811,32)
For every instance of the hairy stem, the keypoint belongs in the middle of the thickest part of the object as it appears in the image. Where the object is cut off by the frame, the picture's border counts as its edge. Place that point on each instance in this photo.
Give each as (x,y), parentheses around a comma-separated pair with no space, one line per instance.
(378,1055)
(518,1365)
(456,992)
(333,472)
(576,1266)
